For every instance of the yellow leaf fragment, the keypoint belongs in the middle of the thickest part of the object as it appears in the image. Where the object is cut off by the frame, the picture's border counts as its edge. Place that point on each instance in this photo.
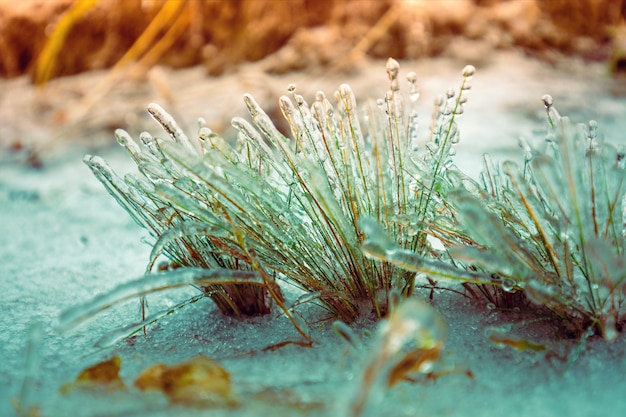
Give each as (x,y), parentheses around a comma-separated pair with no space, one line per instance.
(103,375)
(415,361)
(199,380)
(151,378)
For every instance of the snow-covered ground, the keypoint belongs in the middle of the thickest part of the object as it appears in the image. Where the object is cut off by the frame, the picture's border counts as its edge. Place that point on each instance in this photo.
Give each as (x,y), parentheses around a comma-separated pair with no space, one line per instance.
(63,240)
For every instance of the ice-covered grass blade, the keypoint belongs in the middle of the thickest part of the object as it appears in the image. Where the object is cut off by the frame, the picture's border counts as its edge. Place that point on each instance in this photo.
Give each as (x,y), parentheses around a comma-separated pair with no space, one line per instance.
(377,245)
(113,337)
(151,283)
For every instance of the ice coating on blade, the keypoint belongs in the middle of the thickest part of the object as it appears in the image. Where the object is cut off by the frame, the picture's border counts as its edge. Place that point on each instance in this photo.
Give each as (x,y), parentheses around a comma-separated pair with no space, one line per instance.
(184,229)
(488,231)
(169,125)
(124,139)
(150,283)
(262,120)
(113,337)
(377,245)
(293,117)
(115,186)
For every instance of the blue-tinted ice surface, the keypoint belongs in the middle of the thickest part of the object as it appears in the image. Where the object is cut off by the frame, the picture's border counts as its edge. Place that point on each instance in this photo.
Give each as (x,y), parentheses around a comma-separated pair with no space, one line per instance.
(63,240)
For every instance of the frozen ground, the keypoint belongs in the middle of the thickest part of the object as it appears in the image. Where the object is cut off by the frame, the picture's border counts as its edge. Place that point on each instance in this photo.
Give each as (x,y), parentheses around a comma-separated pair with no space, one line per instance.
(63,240)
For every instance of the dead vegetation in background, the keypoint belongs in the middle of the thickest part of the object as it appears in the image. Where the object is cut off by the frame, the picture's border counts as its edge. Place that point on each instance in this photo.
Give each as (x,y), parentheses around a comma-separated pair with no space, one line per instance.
(293,34)
(135,41)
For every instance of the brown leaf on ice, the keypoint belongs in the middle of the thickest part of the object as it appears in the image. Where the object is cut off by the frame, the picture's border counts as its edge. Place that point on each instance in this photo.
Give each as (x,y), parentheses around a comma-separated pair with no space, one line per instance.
(415,361)
(198,381)
(103,375)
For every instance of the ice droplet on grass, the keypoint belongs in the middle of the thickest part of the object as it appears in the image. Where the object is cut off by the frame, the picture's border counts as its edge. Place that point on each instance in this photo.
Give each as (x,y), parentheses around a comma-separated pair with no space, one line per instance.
(553,114)
(469,71)
(593,129)
(300,101)
(169,125)
(393,67)
(547,100)
(509,285)
(413,87)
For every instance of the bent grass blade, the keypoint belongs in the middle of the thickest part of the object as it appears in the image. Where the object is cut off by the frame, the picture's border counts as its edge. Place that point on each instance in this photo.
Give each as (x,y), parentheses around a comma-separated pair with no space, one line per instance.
(378,246)
(151,283)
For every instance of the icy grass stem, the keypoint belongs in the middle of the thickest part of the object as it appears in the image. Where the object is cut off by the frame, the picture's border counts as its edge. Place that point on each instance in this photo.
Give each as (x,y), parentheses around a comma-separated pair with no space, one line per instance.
(152,283)
(115,336)
(26,404)
(447,129)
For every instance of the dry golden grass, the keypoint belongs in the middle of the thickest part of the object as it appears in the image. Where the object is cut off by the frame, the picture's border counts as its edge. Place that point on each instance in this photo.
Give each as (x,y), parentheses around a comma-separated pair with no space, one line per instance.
(70,36)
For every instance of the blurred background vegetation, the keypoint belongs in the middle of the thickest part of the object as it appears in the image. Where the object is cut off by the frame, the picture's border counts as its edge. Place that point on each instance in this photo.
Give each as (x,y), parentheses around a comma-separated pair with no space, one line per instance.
(51,38)
(122,54)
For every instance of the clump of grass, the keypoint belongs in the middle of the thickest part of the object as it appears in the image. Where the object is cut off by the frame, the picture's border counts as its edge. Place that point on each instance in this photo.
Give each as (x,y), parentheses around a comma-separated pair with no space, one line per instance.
(273,207)
(549,235)
(173,229)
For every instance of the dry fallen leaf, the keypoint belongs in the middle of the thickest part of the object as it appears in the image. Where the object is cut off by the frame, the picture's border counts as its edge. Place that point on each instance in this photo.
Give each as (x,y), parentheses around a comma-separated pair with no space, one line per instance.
(103,375)
(199,380)
(414,361)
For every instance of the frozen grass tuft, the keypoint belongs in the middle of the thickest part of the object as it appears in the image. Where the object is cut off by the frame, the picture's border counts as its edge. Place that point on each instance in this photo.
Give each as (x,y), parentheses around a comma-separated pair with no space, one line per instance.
(288,208)
(547,236)
(346,206)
